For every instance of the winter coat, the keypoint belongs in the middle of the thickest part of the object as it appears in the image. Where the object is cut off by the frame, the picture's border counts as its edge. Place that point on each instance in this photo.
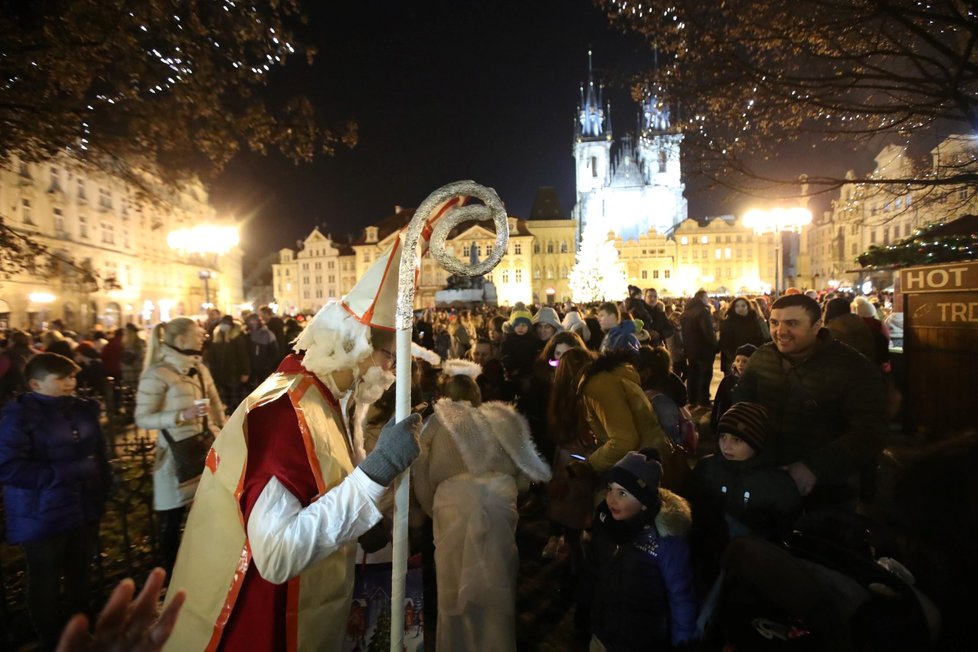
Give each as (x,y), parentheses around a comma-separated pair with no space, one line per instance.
(227,356)
(53,465)
(827,411)
(12,363)
(643,597)
(620,416)
(263,354)
(572,322)
(734,498)
(518,354)
(699,340)
(166,389)
(850,329)
(735,331)
(112,357)
(132,362)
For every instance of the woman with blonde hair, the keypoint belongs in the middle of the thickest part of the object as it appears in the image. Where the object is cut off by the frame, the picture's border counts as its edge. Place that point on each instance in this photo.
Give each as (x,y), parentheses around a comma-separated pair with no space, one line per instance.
(177,398)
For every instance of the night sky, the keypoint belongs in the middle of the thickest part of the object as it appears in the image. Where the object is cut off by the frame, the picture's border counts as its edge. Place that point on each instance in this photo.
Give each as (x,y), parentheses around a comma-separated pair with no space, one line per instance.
(442,91)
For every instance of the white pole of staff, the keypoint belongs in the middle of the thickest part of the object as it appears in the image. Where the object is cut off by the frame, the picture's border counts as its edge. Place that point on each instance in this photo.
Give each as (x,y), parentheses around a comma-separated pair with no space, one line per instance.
(429,218)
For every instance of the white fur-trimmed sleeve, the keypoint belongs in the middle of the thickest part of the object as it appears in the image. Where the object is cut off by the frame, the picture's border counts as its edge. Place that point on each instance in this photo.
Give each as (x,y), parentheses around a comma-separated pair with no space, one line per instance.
(286,538)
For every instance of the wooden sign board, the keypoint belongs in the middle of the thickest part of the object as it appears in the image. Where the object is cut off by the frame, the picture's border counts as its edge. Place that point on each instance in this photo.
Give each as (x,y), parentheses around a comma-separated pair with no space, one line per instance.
(951,277)
(943,309)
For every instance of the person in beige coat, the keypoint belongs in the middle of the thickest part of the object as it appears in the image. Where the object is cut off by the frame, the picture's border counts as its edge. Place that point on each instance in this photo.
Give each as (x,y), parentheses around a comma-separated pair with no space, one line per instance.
(474,456)
(170,388)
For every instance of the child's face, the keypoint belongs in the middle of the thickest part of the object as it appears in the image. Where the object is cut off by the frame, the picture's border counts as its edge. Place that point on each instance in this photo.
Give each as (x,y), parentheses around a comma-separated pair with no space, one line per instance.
(54,385)
(521,329)
(739,364)
(621,504)
(734,448)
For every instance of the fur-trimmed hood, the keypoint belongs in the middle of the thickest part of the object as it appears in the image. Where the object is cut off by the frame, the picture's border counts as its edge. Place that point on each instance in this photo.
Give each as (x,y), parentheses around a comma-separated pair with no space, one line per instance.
(675,517)
(484,433)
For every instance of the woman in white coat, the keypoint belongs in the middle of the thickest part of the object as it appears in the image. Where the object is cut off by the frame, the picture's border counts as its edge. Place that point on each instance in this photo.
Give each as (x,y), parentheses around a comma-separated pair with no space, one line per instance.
(173,380)
(473,456)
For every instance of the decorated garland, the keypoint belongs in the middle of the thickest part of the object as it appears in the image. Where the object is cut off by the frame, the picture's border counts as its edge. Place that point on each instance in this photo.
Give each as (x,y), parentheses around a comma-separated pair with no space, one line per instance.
(923,249)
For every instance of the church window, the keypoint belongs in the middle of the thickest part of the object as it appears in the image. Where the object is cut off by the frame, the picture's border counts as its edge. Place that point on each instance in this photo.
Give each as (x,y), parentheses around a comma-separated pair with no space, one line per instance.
(594,166)
(563,246)
(519,276)
(550,247)
(518,248)
(662,160)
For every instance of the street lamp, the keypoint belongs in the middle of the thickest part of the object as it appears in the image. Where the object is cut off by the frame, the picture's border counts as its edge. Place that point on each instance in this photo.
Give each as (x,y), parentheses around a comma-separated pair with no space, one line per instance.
(777,221)
(205,276)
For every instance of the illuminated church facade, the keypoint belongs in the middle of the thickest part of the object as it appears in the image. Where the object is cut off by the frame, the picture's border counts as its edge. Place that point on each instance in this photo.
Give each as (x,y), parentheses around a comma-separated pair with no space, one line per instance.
(631,186)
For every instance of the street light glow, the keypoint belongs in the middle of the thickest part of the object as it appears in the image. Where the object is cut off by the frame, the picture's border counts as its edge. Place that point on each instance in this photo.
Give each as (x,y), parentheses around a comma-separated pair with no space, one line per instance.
(775,220)
(41,297)
(204,239)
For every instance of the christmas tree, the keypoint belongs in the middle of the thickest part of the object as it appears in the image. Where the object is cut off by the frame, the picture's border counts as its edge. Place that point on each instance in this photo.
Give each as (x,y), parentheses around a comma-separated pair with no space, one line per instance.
(380,640)
(597,275)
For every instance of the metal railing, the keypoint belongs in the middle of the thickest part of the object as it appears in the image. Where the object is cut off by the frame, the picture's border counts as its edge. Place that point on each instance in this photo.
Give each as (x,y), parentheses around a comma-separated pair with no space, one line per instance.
(127,535)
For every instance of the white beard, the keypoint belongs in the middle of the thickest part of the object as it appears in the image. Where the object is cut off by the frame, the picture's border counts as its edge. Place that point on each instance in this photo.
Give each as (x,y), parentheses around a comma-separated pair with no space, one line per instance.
(370,387)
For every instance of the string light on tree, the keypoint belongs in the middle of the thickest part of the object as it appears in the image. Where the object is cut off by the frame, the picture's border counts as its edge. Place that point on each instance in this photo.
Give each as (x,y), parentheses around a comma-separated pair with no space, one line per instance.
(598,274)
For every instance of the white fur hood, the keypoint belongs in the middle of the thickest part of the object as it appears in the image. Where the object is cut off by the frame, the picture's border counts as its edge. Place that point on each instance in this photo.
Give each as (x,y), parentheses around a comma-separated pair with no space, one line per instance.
(483,433)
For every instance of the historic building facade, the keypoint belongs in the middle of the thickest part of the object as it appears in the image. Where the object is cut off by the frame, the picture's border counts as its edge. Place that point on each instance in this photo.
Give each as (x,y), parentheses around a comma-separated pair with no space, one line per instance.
(98,223)
(866,215)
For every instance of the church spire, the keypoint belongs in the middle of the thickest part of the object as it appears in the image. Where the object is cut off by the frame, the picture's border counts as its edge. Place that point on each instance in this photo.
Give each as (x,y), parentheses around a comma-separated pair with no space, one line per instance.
(591,115)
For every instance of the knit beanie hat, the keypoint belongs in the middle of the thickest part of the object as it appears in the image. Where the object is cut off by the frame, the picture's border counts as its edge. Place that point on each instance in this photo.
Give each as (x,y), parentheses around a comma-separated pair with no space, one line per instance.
(521,317)
(745,350)
(639,473)
(836,308)
(747,421)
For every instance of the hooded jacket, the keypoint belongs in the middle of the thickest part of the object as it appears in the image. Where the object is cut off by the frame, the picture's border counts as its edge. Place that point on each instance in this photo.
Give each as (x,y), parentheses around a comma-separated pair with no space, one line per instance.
(575,324)
(644,597)
(620,416)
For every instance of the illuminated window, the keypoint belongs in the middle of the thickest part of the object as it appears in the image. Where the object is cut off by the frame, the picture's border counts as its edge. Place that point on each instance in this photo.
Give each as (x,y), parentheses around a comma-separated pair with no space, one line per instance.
(726,252)
(705,239)
(717,253)
(563,246)
(518,248)
(684,240)
(505,276)
(550,247)
(519,276)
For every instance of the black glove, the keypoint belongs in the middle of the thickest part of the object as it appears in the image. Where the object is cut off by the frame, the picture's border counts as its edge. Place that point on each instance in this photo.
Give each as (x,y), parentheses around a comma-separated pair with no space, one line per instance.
(376,537)
(395,450)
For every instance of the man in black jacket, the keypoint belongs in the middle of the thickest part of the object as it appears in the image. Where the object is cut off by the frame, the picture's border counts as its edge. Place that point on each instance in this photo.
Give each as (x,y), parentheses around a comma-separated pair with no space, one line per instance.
(825,402)
(700,342)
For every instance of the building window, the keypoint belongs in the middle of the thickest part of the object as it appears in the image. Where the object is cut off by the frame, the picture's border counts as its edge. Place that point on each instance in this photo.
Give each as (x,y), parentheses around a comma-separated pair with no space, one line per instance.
(466,250)
(319,280)
(666,274)
(872,236)
(82,226)
(594,166)
(104,198)
(25,170)
(645,274)
(59,221)
(704,239)
(25,211)
(536,273)
(684,240)
(717,253)
(108,233)
(536,247)
(505,276)
(726,252)
(81,189)
(655,273)
(55,180)
(550,247)
(563,246)
(305,267)
(518,248)
(550,272)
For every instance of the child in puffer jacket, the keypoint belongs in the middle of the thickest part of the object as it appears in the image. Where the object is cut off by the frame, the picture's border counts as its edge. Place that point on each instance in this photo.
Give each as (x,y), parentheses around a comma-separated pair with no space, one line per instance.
(55,475)
(643,596)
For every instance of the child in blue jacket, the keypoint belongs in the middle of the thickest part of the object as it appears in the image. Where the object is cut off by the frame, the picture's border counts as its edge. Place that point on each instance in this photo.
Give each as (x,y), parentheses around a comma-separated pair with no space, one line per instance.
(643,582)
(55,477)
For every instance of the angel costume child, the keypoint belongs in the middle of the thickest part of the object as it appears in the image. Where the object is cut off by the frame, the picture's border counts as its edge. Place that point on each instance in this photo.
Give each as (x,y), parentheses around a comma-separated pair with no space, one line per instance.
(474,456)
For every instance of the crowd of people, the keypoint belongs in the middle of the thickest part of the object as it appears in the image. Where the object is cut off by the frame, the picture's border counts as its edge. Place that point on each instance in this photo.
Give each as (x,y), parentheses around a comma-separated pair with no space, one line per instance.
(596,416)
